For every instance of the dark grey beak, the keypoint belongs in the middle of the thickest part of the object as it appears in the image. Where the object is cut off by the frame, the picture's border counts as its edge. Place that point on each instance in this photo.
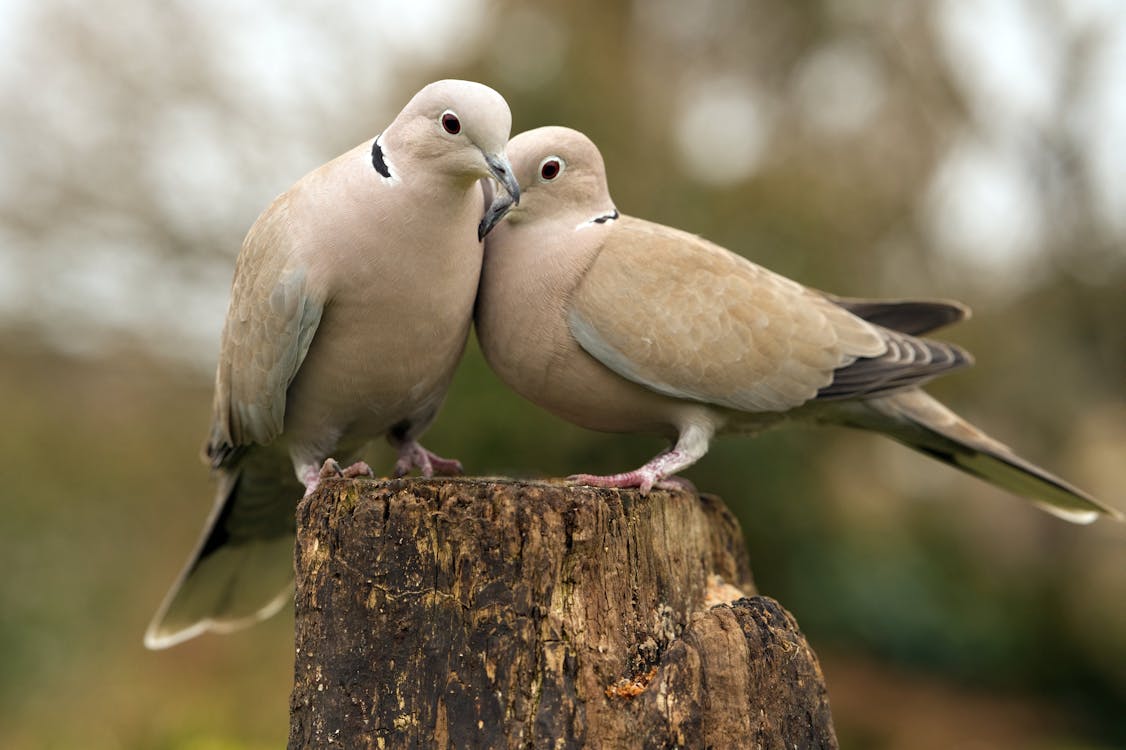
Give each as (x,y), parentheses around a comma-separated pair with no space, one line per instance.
(502,171)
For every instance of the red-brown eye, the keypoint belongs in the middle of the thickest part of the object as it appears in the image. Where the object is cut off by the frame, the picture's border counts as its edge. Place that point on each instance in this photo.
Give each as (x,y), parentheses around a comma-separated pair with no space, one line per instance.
(550,168)
(451,123)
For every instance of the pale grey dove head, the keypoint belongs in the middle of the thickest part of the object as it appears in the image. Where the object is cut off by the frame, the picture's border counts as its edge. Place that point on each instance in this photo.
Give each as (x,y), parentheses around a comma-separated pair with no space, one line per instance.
(624,325)
(560,171)
(459,128)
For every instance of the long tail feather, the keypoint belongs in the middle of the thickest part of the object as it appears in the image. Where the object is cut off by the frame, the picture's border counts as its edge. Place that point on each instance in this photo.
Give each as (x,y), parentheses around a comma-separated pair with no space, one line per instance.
(242,569)
(921,422)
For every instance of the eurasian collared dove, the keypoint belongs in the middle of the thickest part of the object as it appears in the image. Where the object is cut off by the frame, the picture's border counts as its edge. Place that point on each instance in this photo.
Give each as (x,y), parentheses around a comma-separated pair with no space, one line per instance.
(622,325)
(351,305)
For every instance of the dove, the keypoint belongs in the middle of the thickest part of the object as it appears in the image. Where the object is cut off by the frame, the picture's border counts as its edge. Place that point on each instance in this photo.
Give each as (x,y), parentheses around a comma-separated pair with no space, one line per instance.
(351,305)
(619,324)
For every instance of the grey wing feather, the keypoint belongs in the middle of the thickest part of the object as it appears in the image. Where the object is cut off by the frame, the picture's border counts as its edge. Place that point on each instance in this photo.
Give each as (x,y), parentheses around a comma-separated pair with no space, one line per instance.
(270,325)
(907,362)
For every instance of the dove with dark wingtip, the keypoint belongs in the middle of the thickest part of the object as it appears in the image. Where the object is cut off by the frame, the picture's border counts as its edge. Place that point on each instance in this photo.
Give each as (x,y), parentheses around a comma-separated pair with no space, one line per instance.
(350,308)
(623,325)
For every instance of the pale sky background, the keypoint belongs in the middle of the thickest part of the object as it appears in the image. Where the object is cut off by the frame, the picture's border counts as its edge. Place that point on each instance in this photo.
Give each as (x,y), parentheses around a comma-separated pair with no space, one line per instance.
(203,165)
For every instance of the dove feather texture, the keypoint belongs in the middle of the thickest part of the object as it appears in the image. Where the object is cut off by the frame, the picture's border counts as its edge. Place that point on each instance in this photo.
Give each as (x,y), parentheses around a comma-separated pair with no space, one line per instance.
(350,308)
(624,325)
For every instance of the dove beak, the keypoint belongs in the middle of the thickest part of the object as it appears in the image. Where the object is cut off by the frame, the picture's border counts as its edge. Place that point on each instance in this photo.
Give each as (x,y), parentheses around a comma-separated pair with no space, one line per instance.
(501,170)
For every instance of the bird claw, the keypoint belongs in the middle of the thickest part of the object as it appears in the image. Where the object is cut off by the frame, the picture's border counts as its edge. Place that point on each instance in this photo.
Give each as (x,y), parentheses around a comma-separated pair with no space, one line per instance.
(358,469)
(312,477)
(677,483)
(412,455)
(446,466)
(330,469)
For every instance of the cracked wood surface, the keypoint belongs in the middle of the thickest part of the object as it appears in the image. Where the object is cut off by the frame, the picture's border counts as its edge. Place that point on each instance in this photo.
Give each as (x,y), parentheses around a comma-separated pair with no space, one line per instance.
(480,613)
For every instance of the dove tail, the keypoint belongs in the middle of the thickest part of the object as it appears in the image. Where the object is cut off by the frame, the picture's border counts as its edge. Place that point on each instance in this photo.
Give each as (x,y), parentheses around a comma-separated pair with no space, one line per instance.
(921,422)
(242,570)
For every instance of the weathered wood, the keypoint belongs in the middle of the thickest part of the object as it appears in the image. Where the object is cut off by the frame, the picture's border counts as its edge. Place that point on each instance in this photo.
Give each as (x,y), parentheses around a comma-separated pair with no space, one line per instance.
(509,614)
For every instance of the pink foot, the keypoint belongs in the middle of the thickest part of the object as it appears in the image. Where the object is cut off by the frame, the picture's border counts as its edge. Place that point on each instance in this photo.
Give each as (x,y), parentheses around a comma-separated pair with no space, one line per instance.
(358,469)
(312,476)
(412,455)
(642,479)
(657,473)
(330,470)
(677,483)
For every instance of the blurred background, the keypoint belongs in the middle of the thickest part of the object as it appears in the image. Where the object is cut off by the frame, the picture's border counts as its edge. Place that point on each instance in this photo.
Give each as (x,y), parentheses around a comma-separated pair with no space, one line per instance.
(973,149)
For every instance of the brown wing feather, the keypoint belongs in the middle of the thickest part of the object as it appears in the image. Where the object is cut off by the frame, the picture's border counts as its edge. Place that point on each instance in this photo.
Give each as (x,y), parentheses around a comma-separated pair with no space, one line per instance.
(691,320)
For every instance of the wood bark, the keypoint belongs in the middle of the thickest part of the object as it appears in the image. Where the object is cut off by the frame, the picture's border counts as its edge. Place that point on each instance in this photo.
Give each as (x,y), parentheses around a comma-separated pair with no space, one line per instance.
(477,613)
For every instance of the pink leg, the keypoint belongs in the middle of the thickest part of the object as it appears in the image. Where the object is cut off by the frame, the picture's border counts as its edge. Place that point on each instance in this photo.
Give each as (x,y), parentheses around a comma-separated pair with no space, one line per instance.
(412,455)
(690,448)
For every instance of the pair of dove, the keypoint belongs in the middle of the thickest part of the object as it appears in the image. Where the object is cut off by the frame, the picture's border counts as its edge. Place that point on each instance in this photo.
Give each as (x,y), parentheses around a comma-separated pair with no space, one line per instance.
(355,290)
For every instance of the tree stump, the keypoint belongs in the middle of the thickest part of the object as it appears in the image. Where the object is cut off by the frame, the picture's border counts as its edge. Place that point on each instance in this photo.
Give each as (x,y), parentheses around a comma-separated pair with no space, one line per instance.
(475,613)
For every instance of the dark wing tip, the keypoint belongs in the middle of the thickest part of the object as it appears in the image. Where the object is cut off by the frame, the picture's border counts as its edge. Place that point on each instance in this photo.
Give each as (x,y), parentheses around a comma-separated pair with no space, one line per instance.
(913,317)
(908,362)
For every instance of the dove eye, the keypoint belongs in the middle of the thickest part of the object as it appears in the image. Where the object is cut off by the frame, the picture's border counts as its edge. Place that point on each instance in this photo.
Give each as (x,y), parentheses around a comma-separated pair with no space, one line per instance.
(550,168)
(450,122)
